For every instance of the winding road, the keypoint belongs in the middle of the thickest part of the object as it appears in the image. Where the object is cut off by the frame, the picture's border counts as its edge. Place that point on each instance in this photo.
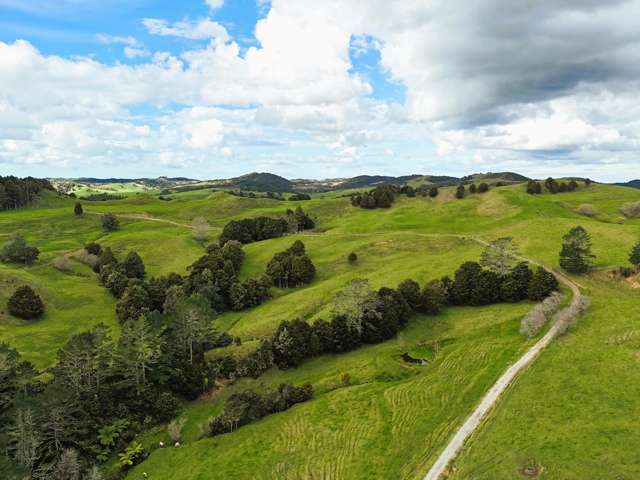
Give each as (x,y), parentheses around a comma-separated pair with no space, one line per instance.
(490,399)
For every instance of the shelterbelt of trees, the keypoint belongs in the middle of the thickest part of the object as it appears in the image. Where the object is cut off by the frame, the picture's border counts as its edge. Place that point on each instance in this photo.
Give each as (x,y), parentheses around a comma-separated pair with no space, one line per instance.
(19,192)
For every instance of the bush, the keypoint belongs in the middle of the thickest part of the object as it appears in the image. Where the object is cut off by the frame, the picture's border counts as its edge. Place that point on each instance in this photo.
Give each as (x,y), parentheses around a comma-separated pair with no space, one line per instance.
(77,209)
(61,263)
(200,228)
(587,210)
(567,317)
(631,210)
(87,258)
(174,429)
(133,267)
(483,187)
(433,192)
(16,250)
(25,303)
(110,222)
(534,320)
(93,248)
(165,407)
(352,258)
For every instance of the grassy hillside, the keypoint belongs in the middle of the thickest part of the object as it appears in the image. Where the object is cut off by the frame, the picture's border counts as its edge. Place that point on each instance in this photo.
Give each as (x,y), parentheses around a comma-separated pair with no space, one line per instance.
(393,418)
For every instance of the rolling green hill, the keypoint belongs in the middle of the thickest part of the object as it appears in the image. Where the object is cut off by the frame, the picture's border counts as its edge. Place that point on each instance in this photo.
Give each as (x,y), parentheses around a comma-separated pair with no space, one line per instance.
(571,414)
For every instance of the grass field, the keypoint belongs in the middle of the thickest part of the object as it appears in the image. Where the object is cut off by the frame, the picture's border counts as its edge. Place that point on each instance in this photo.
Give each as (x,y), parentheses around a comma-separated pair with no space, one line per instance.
(572,412)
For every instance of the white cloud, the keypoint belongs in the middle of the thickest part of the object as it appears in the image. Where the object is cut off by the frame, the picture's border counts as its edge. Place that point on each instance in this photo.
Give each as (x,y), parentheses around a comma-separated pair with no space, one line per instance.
(195,30)
(213,4)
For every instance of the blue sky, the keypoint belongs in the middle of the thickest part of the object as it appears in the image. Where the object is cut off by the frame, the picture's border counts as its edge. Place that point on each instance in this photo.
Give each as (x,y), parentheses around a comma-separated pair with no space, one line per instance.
(214,88)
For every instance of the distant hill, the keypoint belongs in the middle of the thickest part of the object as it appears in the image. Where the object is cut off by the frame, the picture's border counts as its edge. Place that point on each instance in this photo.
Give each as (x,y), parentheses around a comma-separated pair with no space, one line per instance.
(258,182)
(147,181)
(494,177)
(632,184)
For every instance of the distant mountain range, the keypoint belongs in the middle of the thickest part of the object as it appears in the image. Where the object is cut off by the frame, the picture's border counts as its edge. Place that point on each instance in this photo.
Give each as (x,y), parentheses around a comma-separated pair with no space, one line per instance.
(269,182)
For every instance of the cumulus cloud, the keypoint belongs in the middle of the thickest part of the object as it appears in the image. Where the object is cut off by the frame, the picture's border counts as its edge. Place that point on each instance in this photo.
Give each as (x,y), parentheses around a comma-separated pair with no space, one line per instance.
(487,83)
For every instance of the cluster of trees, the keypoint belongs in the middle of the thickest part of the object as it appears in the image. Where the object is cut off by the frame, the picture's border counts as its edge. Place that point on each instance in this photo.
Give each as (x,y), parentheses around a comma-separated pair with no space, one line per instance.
(431,191)
(19,192)
(17,250)
(553,186)
(292,267)
(297,197)
(361,315)
(102,197)
(248,406)
(246,194)
(473,188)
(251,230)
(382,196)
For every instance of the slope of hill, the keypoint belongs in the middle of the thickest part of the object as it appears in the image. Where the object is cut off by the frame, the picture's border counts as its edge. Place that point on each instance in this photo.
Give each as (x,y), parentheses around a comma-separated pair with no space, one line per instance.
(631,183)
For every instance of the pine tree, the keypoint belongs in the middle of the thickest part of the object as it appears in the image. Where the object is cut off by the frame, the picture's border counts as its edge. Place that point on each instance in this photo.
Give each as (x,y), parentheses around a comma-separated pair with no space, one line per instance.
(133,266)
(575,255)
(77,209)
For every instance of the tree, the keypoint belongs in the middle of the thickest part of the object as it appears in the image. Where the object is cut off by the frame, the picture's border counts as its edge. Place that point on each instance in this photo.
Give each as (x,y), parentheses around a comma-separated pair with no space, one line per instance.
(138,351)
(134,303)
(499,256)
(16,250)
(460,191)
(133,266)
(355,302)
(106,258)
(352,258)
(25,303)
(634,256)
(533,187)
(24,439)
(68,466)
(483,187)
(232,251)
(575,255)
(93,248)
(515,284)
(573,185)
(433,192)
(110,222)
(433,297)
(588,182)
(192,318)
(410,290)
(473,188)
(541,285)
(200,228)
(77,209)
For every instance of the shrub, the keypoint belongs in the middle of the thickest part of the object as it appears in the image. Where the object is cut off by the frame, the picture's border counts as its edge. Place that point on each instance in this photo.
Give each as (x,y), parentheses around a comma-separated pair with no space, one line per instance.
(133,267)
(567,317)
(200,228)
(25,303)
(93,248)
(587,210)
(16,250)
(352,258)
(433,192)
(165,407)
(61,263)
(174,429)
(483,187)
(110,222)
(86,258)
(77,209)
(634,255)
(460,191)
(631,210)
(533,321)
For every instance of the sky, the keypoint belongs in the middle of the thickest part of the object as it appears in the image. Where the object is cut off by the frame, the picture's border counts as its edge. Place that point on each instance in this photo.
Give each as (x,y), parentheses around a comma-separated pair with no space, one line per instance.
(307,89)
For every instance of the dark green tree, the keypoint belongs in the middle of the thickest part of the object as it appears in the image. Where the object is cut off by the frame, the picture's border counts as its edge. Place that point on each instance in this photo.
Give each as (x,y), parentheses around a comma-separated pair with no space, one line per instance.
(575,255)
(473,188)
(634,256)
(533,187)
(410,290)
(133,266)
(25,303)
(77,209)
(541,285)
(352,257)
(483,187)
(110,222)
(433,192)
(460,191)
(134,303)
